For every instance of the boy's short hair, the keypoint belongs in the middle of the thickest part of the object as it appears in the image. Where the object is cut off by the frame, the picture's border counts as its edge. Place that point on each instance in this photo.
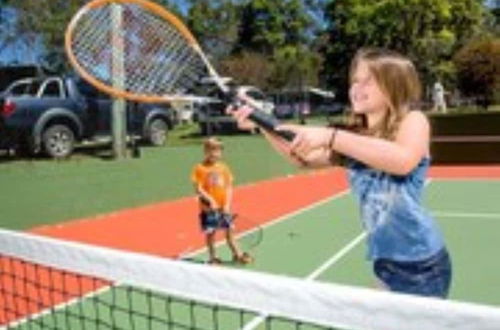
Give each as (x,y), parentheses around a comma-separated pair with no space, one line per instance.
(212,143)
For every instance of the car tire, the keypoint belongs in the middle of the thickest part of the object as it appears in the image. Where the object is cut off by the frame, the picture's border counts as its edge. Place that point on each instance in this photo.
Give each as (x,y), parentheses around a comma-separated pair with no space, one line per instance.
(58,141)
(157,132)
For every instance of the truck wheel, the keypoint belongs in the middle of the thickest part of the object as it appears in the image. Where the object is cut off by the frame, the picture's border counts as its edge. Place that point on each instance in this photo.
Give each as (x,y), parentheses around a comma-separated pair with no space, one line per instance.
(58,141)
(157,132)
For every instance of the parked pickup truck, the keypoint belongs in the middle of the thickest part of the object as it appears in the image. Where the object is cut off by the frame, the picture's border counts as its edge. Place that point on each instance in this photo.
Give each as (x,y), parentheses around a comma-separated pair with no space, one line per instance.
(53,114)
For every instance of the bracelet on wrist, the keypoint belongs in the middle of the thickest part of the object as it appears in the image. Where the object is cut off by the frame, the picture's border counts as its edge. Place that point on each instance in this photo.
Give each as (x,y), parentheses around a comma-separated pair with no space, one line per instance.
(331,143)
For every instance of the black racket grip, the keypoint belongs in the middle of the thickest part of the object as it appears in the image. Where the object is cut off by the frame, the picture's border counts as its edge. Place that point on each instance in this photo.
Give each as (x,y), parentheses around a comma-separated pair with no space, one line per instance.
(269,123)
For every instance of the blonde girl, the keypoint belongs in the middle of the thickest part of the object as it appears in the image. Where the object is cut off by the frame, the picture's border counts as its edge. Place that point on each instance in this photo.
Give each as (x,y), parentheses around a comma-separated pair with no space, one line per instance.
(386,154)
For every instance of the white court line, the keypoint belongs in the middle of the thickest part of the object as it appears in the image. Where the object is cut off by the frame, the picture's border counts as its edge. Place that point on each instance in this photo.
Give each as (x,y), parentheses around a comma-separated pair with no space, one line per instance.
(104,289)
(259,319)
(256,321)
(451,214)
(468,179)
(273,222)
(459,214)
(333,260)
(57,307)
(336,257)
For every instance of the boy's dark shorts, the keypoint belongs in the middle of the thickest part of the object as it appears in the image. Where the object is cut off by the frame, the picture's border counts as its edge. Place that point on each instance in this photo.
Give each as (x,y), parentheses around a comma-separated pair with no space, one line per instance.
(213,220)
(429,277)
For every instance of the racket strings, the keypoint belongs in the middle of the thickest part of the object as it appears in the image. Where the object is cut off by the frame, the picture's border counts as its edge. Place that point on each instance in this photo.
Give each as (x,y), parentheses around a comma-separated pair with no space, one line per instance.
(156,59)
(90,43)
(252,232)
(167,56)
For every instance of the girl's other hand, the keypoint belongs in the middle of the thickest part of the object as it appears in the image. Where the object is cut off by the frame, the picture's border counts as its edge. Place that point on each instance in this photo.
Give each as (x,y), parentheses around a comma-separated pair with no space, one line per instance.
(308,138)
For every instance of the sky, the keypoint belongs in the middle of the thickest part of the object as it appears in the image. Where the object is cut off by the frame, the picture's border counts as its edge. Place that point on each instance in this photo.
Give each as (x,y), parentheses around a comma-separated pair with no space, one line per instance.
(493,3)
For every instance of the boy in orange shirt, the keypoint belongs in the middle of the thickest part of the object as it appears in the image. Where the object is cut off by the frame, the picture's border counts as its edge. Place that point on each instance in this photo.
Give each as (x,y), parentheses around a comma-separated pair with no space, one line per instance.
(213,183)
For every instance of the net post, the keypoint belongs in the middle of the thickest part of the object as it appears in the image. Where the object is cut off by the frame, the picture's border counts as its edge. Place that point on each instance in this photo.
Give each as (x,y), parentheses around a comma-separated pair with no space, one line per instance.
(119,124)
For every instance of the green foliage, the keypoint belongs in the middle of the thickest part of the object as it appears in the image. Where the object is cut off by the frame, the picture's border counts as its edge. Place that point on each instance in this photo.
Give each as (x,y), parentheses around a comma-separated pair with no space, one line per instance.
(290,67)
(248,68)
(496,14)
(270,24)
(428,31)
(478,69)
(265,41)
(289,43)
(295,67)
(215,24)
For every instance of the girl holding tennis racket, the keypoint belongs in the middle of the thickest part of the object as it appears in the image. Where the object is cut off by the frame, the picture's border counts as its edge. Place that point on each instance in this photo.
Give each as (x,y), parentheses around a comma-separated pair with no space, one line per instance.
(387,157)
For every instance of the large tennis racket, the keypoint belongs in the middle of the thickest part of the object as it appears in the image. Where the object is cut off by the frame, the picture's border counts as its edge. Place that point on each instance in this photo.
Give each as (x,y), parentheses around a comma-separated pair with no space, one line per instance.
(139,51)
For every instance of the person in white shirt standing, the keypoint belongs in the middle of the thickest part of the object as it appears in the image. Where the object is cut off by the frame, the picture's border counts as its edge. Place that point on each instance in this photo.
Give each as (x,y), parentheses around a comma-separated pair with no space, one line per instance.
(439,102)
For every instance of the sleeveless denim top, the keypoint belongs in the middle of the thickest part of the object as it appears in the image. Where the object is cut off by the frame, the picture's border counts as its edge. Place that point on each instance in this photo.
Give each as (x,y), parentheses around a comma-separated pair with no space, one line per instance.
(398,226)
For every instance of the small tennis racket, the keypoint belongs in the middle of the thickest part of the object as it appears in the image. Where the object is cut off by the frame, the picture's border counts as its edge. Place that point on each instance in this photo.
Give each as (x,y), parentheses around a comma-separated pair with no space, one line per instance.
(139,51)
(251,233)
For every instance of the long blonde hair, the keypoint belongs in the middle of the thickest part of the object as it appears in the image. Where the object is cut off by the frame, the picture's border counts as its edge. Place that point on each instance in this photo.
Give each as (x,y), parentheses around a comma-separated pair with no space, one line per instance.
(398,80)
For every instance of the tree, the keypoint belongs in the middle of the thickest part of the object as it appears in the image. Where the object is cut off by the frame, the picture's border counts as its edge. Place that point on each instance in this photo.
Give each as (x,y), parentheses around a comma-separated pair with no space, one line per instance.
(285,32)
(269,34)
(295,67)
(248,68)
(428,31)
(215,25)
(478,70)
(270,24)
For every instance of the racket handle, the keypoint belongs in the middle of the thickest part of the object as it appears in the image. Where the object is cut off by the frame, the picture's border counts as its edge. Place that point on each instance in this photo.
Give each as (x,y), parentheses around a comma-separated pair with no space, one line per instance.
(269,123)
(259,117)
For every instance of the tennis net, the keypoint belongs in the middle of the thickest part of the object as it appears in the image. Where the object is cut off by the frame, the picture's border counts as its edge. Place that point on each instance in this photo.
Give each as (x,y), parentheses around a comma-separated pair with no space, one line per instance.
(52,284)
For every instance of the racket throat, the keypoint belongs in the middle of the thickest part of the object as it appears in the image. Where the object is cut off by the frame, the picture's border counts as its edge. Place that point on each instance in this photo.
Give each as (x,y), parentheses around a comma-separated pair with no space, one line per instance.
(259,117)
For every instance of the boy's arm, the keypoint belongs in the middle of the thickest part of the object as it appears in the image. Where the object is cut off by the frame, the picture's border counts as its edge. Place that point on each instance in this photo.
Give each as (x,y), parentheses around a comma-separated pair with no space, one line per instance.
(204,196)
(226,208)
(229,199)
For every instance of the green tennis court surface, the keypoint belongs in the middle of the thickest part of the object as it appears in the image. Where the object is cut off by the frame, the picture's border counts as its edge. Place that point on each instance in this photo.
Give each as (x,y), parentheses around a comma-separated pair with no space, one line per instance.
(330,235)
(324,242)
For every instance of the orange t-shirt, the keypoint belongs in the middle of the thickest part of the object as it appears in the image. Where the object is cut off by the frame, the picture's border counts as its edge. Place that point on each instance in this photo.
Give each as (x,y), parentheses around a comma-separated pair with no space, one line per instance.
(215,179)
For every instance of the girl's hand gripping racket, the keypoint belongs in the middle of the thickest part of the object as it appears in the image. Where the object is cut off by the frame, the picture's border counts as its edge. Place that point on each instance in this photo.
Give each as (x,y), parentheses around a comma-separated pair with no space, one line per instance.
(139,51)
